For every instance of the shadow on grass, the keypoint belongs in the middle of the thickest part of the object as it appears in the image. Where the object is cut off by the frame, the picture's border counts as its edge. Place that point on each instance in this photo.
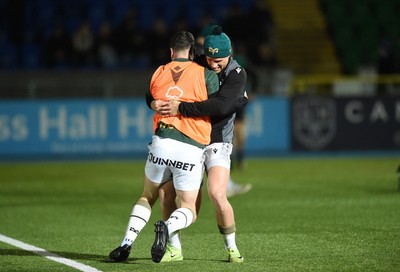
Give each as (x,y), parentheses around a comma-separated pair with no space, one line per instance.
(68,255)
(16,252)
(63,254)
(83,256)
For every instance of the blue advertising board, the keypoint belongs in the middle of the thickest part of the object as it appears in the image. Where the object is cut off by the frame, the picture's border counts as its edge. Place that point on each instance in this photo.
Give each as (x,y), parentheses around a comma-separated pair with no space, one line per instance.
(267,125)
(96,127)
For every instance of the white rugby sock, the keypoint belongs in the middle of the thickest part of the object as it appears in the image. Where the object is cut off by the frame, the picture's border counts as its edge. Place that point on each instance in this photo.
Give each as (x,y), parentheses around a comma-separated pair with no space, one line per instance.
(181,218)
(175,240)
(139,217)
(230,240)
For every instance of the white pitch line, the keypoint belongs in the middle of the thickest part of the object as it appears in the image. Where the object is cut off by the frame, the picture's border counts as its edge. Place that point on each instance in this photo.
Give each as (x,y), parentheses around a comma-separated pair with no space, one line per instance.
(47,254)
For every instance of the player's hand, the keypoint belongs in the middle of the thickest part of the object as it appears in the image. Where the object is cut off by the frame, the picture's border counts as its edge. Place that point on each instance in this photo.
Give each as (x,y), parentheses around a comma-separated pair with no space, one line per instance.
(175,107)
(162,107)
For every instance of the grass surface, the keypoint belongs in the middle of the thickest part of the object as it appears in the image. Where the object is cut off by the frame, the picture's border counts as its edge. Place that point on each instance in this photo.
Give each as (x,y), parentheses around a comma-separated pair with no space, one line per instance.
(303,214)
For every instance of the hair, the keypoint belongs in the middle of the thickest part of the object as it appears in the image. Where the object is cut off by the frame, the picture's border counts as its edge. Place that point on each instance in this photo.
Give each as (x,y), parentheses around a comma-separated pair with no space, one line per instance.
(183,40)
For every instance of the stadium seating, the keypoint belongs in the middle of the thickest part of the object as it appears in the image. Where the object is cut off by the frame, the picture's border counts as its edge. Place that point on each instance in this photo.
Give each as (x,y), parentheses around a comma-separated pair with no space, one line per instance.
(30,53)
(358,26)
(39,17)
(8,56)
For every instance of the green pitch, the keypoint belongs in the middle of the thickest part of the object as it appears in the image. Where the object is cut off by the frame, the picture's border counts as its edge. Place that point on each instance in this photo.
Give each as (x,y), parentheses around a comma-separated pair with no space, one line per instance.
(303,214)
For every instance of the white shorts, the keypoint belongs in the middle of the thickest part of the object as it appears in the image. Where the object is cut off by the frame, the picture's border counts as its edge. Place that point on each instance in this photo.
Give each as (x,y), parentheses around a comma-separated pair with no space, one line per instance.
(169,158)
(218,154)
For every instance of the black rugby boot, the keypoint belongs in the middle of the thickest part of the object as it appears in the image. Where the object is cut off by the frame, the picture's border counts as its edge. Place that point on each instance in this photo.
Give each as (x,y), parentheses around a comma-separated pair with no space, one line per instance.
(160,242)
(120,254)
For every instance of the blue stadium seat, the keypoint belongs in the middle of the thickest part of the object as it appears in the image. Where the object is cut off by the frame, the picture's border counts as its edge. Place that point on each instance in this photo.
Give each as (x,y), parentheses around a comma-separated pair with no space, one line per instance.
(150,3)
(146,16)
(193,16)
(31,56)
(119,10)
(192,11)
(8,56)
(72,24)
(170,14)
(43,14)
(97,15)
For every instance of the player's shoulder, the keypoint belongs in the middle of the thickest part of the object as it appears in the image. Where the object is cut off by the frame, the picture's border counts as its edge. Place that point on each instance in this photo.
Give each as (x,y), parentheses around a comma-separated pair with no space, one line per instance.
(160,70)
(235,67)
(235,72)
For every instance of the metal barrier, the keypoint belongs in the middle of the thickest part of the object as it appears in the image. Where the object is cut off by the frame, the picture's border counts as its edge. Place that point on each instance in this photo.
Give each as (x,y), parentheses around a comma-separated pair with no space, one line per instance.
(338,85)
(71,84)
(134,83)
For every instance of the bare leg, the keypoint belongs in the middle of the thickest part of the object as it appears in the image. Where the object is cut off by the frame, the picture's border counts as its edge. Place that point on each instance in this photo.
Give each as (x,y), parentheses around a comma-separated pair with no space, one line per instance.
(217,182)
(167,199)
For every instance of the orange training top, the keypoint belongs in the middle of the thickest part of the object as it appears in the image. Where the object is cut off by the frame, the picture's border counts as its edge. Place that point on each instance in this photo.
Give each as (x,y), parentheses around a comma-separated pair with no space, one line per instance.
(183,81)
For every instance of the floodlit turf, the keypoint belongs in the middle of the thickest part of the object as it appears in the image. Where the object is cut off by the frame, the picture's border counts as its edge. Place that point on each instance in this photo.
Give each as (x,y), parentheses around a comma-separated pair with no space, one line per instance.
(303,214)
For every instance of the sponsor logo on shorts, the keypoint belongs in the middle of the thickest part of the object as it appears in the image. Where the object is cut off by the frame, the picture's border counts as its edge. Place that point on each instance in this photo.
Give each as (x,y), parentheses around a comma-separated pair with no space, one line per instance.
(177,164)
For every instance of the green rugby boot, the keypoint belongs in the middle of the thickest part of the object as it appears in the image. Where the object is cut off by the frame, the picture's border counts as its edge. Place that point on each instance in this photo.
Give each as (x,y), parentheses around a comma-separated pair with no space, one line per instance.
(172,254)
(234,256)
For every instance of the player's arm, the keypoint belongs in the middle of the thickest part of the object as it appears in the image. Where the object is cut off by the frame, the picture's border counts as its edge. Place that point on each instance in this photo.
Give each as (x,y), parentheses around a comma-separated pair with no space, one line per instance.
(149,99)
(160,106)
(231,97)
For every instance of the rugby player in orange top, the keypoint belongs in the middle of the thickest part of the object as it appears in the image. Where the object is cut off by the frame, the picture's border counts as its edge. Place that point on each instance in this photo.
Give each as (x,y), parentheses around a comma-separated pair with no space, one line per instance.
(177,148)
(221,108)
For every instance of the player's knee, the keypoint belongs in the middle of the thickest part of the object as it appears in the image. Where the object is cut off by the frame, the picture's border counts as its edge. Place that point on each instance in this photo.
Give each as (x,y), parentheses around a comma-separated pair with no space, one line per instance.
(216,194)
